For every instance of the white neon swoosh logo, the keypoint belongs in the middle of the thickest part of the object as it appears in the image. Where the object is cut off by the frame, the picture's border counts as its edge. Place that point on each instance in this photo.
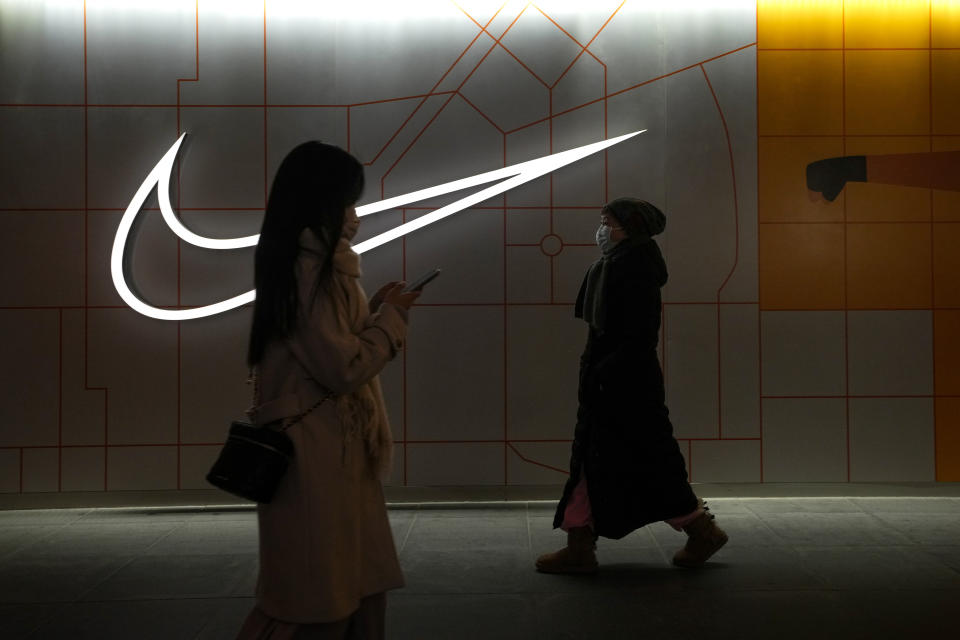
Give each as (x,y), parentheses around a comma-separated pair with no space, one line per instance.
(159,177)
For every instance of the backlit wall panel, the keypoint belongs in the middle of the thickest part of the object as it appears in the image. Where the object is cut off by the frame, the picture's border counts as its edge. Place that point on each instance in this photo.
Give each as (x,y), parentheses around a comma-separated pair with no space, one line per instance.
(858,296)
(772,373)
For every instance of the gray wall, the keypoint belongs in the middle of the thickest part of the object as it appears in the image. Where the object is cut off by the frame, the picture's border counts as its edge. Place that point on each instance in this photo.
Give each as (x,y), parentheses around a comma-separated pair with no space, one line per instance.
(100,397)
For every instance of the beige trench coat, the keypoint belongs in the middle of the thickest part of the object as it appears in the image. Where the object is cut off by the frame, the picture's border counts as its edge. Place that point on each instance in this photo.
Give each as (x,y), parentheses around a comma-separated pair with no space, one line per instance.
(325,540)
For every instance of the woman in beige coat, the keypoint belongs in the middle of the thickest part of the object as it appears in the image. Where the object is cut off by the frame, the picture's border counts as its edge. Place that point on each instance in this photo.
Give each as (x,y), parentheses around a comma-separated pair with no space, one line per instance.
(326,551)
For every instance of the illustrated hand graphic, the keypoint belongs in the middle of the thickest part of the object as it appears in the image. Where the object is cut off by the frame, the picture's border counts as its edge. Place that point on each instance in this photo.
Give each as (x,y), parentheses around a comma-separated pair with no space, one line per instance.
(829,176)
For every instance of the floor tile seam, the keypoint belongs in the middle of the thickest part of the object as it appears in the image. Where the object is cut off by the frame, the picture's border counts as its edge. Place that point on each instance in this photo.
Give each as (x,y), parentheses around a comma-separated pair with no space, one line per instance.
(942,563)
(889,590)
(47,619)
(798,511)
(193,556)
(37,629)
(765,524)
(229,508)
(207,624)
(688,590)
(185,510)
(593,589)
(797,545)
(81,596)
(463,505)
(20,603)
(765,514)
(123,600)
(513,517)
(242,575)
(447,551)
(164,513)
(795,498)
(660,548)
(146,551)
(90,524)
(82,511)
(397,597)
(884,525)
(78,600)
(869,547)
(613,546)
(461,594)
(841,519)
(406,537)
(33,542)
(209,554)
(529,530)
(934,515)
(806,567)
(153,599)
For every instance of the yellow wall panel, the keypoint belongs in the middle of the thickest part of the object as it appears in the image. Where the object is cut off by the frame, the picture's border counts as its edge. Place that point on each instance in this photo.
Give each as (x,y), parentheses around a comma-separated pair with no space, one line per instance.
(801,266)
(946,204)
(946,23)
(782,188)
(885,202)
(945,67)
(800,24)
(800,92)
(948,439)
(886,23)
(946,352)
(887,92)
(881,251)
(888,266)
(946,265)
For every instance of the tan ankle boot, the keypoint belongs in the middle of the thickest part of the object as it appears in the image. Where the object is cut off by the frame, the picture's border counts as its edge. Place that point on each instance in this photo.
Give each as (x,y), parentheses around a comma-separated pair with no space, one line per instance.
(705,539)
(577,557)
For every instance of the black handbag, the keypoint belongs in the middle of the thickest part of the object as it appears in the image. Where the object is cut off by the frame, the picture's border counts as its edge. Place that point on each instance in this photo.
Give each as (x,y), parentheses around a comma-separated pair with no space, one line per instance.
(255,457)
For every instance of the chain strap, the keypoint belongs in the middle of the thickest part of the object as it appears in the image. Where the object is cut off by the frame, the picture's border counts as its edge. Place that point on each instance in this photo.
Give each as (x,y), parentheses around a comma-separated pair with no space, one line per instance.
(303,415)
(254,380)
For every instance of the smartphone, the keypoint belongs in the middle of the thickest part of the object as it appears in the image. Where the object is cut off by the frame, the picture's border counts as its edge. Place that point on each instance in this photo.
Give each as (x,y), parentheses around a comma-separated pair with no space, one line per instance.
(422,281)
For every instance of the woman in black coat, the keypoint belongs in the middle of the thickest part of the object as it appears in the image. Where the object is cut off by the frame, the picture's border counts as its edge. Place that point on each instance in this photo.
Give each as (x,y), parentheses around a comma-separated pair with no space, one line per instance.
(626,469)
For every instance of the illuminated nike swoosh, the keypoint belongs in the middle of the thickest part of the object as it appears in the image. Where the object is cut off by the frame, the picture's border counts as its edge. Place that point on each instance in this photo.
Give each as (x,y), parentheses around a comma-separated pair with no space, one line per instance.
(159,177)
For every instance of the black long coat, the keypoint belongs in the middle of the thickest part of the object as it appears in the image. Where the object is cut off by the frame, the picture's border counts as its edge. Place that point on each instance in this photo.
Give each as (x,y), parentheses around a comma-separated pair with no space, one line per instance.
(623,439)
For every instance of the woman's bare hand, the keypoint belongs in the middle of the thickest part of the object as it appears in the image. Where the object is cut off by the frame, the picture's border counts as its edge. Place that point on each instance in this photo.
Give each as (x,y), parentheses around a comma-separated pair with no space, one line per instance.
(396,295)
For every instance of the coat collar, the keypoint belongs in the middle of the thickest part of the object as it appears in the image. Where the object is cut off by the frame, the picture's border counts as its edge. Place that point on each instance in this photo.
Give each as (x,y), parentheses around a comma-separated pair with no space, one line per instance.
(345,259)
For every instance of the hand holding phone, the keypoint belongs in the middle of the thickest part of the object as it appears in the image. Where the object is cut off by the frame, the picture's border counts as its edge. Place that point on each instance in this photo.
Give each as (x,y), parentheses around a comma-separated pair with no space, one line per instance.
(422,281)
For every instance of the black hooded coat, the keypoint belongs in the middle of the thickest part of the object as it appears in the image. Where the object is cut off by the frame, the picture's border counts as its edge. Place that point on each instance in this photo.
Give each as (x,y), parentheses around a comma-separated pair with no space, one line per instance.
(623,440)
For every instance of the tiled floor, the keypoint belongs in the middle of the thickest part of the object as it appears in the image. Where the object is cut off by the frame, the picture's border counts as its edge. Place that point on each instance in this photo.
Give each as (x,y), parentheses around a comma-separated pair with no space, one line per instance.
(794,568)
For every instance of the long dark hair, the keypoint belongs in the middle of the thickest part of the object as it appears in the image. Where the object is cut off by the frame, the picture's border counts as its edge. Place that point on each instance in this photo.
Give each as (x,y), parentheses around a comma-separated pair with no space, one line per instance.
(313,187)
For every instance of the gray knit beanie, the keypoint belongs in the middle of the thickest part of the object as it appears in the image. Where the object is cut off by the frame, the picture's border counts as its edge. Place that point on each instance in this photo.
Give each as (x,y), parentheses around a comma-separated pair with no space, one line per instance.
(638,217)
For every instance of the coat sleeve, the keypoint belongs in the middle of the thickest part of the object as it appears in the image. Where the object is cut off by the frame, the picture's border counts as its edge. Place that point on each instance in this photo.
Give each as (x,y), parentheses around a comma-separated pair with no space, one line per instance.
(334,355)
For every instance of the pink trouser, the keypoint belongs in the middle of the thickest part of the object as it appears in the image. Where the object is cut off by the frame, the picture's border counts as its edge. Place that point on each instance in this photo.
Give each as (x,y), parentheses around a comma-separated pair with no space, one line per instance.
(578,514)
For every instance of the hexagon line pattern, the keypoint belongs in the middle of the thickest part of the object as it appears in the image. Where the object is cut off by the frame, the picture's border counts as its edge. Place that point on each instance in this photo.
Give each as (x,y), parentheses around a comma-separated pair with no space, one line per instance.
(542,233)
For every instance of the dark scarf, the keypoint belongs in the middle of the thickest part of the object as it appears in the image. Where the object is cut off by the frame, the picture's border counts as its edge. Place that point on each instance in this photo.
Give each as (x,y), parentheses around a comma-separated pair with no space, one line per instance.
(591,301)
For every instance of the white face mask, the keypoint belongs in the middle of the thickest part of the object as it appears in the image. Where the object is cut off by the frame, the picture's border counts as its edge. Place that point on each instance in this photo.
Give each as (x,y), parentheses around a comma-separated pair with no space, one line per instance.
(603,238)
